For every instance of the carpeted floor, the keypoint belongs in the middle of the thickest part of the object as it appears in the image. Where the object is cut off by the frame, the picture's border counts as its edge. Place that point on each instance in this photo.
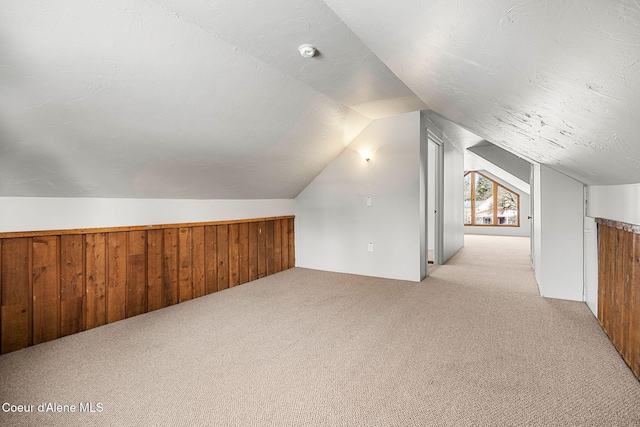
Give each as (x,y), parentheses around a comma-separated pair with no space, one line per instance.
(472,345)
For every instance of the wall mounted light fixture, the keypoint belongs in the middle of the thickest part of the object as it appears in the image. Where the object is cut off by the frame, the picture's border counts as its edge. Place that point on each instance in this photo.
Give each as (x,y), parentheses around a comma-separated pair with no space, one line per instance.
(366,154)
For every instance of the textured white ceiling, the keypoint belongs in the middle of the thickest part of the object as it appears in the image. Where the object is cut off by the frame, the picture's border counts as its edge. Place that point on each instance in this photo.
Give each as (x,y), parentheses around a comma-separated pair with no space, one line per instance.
(197,99)
(180,99)
(556,82)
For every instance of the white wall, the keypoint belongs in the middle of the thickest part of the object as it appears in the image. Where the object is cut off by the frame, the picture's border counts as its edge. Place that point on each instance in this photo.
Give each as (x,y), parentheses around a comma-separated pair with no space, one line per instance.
(453,232)
(559,234)
(44,213)
(536,236)
(524,229)
(614,202)
(333,224)
(424,206)
(591,264)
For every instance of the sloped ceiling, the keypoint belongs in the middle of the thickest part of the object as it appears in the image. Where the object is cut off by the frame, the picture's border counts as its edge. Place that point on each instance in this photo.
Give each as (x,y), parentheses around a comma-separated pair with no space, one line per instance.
(198,99)
(517,167)
(555,82)
(181,98)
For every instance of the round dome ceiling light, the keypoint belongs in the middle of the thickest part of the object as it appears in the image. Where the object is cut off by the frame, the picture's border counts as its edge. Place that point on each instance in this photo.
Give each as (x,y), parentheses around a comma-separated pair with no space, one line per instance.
(307,50)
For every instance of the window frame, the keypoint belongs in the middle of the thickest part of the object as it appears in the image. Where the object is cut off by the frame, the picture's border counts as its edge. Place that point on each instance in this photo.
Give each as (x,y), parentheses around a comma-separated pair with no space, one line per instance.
(495,202)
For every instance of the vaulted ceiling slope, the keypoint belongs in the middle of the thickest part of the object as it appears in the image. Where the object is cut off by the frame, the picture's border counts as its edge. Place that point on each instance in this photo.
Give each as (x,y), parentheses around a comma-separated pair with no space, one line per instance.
(555,82)
(181,98)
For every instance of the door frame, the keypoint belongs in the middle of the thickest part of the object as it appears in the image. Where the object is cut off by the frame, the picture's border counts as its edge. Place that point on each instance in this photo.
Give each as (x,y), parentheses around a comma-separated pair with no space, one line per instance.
(436,140)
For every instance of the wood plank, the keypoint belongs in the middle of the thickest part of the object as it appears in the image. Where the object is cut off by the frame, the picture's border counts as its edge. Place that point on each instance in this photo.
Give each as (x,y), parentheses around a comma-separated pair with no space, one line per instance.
(30,274)
(198,261)
(72,287)
(234,255)
(262,249)
(223,256)
(627,266)
(610,289)
(284,226)
(96,273)
(618,289)
(291,243)
(15,298)
(185,284)
(270,251)
(136,274)
(46,289)
(609,295)
(170,264)
(634,309)
(211,258)
(1,240)
(602,267)
(155,270)
(116,276)
(253,251)
(243,252)
(277,247)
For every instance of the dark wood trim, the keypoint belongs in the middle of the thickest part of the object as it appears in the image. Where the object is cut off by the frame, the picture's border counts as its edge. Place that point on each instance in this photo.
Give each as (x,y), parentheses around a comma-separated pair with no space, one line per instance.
(39,233)
(633,228)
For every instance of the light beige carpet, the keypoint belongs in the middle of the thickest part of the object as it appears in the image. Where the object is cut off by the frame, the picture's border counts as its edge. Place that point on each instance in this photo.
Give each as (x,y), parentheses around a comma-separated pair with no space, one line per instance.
(473,345)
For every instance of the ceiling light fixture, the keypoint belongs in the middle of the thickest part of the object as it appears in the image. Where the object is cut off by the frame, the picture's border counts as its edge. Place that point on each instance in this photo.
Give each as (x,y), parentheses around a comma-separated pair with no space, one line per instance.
(307,50)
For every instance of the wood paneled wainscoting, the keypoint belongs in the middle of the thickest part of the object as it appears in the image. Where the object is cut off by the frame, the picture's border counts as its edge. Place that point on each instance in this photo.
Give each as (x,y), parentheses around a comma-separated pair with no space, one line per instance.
(56,283)
(619,287)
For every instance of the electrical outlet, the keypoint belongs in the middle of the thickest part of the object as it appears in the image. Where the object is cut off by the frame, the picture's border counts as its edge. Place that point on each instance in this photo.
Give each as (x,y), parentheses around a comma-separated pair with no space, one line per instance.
(370,247)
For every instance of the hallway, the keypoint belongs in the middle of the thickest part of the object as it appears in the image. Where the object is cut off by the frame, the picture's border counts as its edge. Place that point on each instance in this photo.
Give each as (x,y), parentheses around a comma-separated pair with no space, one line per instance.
(494,262)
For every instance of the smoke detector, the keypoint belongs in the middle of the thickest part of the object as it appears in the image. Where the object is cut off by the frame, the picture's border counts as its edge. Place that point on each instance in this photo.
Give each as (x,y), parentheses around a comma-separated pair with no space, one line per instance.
(307,50)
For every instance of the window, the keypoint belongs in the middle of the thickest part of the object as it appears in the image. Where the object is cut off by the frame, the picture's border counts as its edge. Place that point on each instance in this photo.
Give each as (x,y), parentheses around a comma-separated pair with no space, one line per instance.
(488,203)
